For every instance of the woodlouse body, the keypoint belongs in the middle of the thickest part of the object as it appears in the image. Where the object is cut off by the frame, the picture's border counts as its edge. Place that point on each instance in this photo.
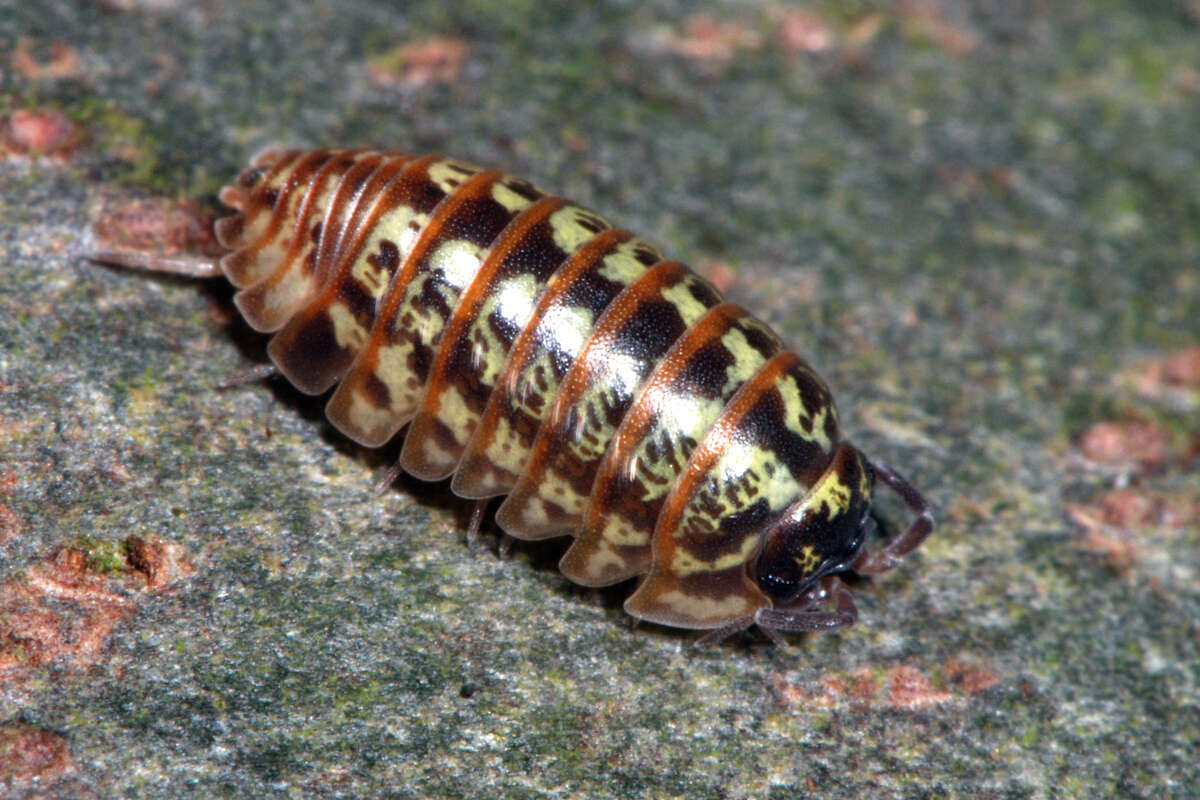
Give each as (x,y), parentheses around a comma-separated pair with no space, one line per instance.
(535,351)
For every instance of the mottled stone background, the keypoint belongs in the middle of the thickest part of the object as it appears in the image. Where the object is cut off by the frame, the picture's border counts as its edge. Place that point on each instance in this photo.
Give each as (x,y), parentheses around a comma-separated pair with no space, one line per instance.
(981,221)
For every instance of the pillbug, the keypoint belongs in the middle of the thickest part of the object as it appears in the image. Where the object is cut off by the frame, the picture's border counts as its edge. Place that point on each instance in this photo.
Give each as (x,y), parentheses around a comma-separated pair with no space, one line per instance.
(535,351)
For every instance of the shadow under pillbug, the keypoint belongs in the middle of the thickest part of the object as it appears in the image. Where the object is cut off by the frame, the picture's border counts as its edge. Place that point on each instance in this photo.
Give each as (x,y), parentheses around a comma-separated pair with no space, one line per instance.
(537,352)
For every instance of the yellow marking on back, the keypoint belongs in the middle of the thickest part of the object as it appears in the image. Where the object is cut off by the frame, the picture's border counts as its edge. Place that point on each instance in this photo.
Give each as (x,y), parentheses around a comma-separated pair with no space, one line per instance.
(452,410)
(619,532)
(514,299)
(746,359)
(622,265)
(699,607)
(554,488)
(832,492)
(600,559)
(448,174)
(458,260)
(794,412)
(739,480)
(282,299)
(366,416)
(372,279)
(505,450)
(394,372)
(682,295)
(568,228)
(347,330)
(571,327)
(684,563)
(808,560)
(509,199)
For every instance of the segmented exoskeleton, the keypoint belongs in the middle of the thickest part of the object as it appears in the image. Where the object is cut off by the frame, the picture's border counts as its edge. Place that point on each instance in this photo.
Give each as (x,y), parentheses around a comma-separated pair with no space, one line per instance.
(535,351)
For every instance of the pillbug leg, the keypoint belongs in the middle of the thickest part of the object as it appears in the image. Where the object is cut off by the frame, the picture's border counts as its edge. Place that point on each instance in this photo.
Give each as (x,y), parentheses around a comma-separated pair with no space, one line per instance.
(252,375)
(388,478)
(717,635)
(199,267)
(806,615)
(506,544)
(476,521)
(905,543)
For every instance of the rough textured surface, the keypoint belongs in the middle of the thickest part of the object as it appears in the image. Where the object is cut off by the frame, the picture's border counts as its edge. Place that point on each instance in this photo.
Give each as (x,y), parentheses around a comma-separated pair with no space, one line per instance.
(980,221)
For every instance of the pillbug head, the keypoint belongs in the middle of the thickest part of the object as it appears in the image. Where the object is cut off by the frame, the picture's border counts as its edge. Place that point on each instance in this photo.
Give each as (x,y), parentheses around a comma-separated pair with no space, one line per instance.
(822,533)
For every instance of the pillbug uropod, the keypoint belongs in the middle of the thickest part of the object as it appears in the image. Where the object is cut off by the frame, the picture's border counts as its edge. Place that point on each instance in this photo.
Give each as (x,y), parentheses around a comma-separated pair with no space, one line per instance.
(537,352)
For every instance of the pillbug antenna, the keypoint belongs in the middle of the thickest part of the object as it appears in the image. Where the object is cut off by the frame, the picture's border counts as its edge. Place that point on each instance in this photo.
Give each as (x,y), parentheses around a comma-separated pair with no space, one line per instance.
(185,266)
(905,543)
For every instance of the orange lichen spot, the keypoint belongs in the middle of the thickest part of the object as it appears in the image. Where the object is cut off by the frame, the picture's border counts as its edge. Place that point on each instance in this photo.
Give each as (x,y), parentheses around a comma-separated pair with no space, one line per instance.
(972,679)
(909,689)
(899,687)
(39,131)
(162,563)
(1119,442)
(856,688)
(156,225)
(61,60)
(1111,524)
(29,754)
(1183,368)
(1173,379)
(1116,545)
(802,31)
(62,609)
(928,19)
(706,39)
(1186,80)
(433,61)
(1129,508)
(864,30)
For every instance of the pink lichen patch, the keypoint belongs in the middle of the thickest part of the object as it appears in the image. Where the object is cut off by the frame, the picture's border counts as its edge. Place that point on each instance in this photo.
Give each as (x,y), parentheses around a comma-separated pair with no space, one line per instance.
(1176,376)
(972,679)
(1111,525)
(911,690)
(156,225)
(1183,368)
(433,61)
(43,132)
(59,610)
(901,687)
(863,31)
(833,691)
(11,524)
(60,60)
(30,754)
(802,31)
(1115,545)
(705,39)
(1124,442)
(718,273)
(928,19)
(1186,80)
(62,609)
(1129,508)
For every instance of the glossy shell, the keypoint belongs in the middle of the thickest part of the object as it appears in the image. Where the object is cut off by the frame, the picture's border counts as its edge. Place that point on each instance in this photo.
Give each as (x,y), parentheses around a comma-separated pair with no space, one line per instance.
(535,351)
